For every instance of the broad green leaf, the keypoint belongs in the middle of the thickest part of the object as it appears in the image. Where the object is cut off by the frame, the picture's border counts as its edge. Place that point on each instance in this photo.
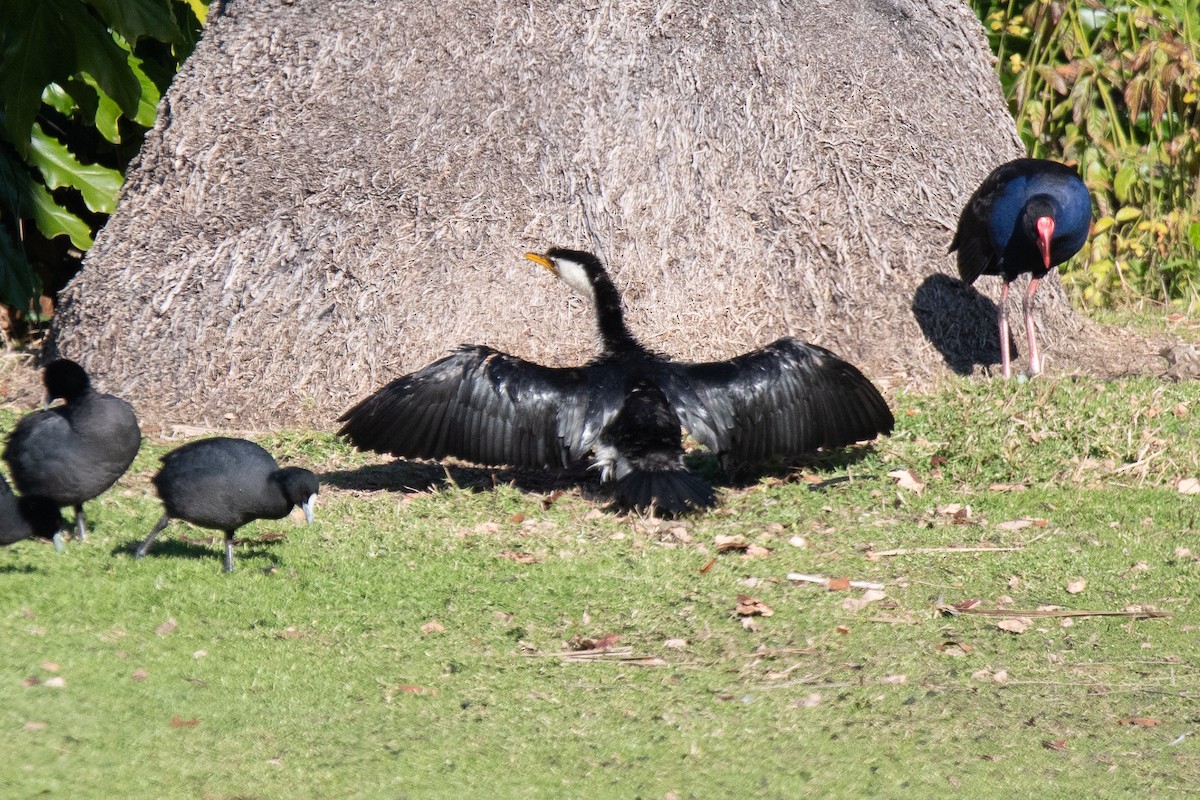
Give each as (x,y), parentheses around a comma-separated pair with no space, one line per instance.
(1124,180)
(1128,213)
(1102,224)
(133,19)
(108,113)
(148,102)
(54,220)
(18,282)
(190,21)
(59,99)
(101,57)
(199,8)
(59,167)
(1194,234)
(86,97)
(32,58)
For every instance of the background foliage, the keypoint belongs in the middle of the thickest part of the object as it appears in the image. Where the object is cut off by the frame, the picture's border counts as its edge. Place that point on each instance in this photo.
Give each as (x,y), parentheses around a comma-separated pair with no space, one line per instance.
(1113,88)
(79,84)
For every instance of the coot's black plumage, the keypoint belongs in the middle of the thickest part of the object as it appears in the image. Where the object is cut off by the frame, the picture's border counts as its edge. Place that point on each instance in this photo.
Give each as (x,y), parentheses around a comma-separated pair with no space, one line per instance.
(224,483)
(624,407)
(28,517)
(1028,215)
(72,453)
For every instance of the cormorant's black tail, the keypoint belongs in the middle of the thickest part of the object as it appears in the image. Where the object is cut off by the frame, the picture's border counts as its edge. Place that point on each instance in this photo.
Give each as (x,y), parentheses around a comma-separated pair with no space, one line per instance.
(669,492)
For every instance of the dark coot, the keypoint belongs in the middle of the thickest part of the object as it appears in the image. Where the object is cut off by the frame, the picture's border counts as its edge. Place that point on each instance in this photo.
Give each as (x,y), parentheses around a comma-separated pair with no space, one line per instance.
(28,518)
(72,453)
(224,483)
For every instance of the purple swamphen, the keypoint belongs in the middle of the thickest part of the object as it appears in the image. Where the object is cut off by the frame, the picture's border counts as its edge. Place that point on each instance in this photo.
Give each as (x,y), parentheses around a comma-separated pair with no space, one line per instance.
(1029,215)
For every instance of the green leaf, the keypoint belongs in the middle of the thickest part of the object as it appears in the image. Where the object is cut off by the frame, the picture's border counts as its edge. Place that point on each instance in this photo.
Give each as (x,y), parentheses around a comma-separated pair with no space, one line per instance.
(148,101)
(54,220)
(59,99)
(133,19)
(199,8)
(1127,214)
(101,57)
(1037,119)
(18,282)
(1095,174)
(86,97)
(1194,234)
(29,61)
(108,114)
(98,184)
(1124,180)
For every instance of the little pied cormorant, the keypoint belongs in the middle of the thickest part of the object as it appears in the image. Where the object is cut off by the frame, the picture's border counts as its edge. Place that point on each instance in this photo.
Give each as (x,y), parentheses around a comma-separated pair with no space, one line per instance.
(625,407)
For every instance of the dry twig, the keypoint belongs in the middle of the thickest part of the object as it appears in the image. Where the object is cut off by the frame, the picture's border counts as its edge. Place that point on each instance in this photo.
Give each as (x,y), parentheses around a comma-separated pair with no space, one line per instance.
(622,654)
(1139,613)
(912,551)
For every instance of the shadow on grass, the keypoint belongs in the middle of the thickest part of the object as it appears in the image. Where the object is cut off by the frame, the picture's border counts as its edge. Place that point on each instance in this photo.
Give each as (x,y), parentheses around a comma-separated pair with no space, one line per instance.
(186,545)
(15,569)
(423,476)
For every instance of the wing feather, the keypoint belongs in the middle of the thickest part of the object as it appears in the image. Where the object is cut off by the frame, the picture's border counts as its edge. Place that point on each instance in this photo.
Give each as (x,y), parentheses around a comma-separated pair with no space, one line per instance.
(781,400)
(480,405)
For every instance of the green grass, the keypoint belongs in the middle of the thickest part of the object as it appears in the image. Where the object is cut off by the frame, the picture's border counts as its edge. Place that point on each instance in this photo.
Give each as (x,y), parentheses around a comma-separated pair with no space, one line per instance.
(306,672)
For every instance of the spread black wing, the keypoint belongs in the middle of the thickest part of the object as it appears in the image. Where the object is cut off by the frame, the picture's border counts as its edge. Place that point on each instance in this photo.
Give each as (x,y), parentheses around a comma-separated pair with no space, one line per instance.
(484,406)
(781,400)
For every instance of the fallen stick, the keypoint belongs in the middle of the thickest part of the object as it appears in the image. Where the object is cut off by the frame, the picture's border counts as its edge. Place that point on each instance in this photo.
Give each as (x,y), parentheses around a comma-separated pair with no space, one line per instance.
(796,576)
(621,654)
(913,551)
(1058,612)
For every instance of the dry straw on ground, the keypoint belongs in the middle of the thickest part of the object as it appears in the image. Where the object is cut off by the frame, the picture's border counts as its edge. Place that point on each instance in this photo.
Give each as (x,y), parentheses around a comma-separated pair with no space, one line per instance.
(338,192)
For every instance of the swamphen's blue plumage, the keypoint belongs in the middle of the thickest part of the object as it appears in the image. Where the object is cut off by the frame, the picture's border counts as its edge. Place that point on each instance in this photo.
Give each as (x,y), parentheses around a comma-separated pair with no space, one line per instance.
(1028,215)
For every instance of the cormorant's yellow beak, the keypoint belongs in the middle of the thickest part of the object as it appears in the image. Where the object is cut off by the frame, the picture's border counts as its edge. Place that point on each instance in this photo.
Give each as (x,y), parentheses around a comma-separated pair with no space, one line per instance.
(538,258)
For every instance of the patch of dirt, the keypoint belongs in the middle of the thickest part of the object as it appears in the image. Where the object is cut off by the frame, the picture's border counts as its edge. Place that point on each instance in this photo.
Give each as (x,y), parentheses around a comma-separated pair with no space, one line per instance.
(20,381)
